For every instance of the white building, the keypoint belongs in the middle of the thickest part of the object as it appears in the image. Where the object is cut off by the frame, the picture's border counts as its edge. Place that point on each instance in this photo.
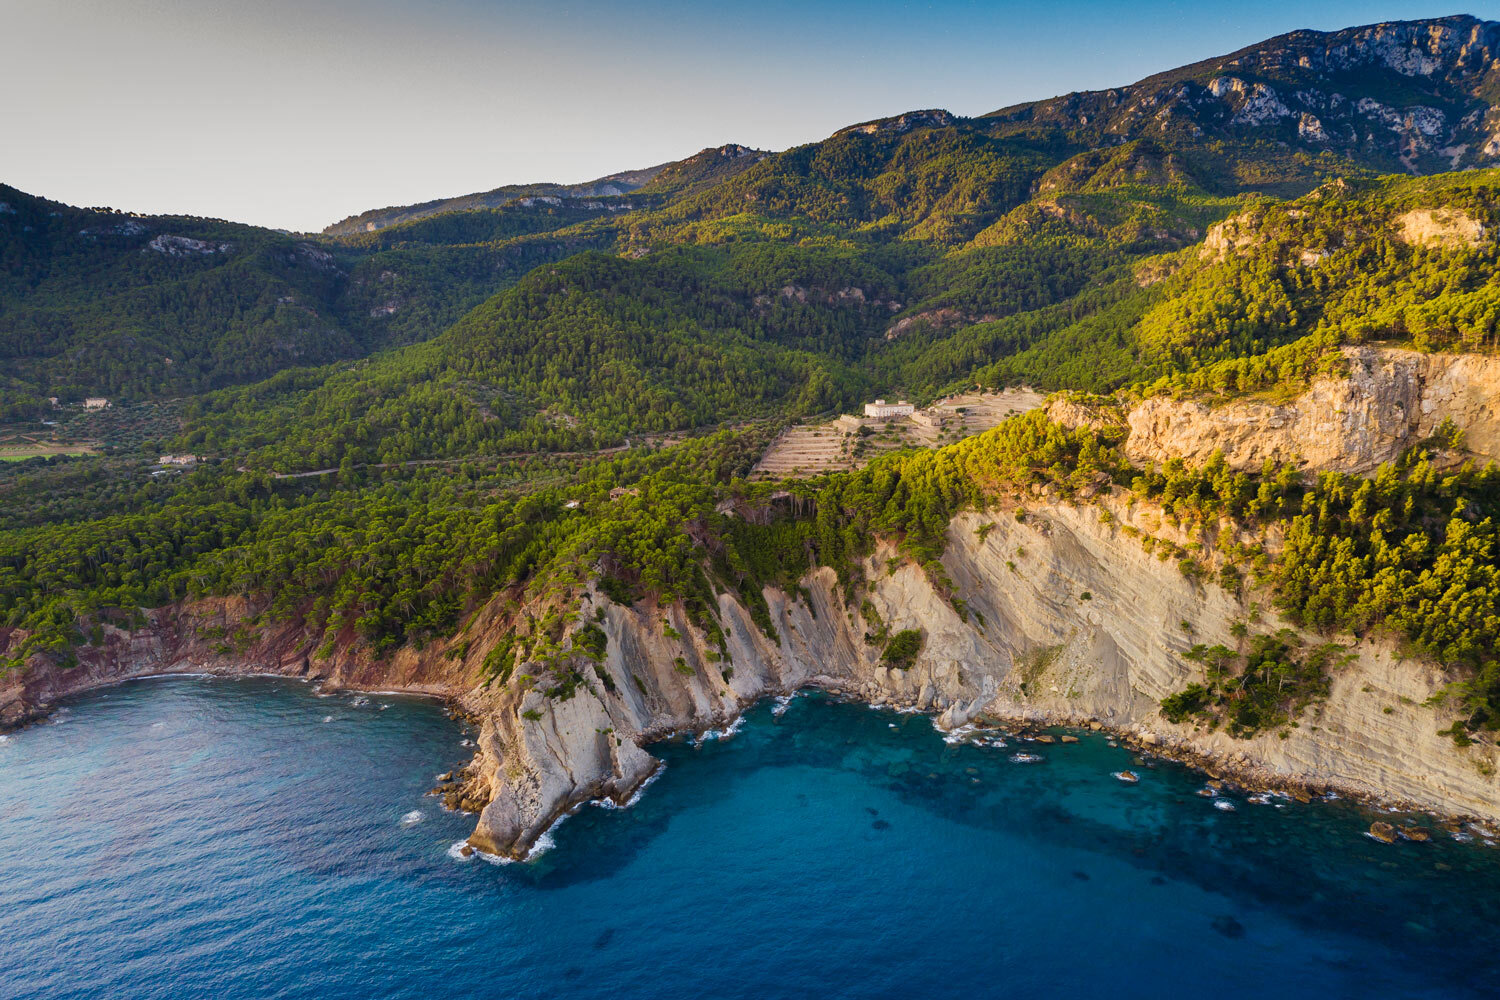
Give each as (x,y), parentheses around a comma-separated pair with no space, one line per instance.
(177,460)
(95,403)
(881,410)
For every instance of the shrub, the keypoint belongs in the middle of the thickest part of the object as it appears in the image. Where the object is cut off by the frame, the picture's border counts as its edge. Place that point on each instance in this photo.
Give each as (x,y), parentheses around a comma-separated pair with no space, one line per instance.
(902,649)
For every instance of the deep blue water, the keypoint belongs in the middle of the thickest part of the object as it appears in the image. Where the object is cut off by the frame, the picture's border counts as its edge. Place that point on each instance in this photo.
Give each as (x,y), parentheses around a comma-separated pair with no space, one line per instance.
(237,839)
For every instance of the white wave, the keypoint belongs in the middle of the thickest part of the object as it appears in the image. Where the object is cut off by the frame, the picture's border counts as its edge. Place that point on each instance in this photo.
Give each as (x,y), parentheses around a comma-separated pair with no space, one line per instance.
(635,796)
(360,701)
(456,851)
(543,844)
(4,738)
(959,734)
(1224,805)
(720,734)
(1260,799)
(1025,758)
(384,706)
(540,846)
(465,743)
(158,725)
(783,702)
(412,818)
(327,718)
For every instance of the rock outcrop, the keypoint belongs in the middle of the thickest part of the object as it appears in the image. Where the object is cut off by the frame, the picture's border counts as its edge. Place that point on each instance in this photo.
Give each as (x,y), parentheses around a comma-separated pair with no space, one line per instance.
(1389,401)
(1443,226)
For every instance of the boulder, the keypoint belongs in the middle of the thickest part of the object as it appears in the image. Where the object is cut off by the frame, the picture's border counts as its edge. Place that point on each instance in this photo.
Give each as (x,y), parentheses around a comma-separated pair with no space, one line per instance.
(1383,832)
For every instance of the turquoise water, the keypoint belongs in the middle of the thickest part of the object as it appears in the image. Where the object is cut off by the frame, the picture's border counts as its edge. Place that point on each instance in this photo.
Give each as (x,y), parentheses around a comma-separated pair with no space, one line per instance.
(237,839)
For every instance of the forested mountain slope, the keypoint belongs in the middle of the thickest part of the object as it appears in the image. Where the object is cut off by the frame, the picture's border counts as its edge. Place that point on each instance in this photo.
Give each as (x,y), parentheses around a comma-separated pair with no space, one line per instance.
(958,211)
(588,351)
(136,307)
(604,187)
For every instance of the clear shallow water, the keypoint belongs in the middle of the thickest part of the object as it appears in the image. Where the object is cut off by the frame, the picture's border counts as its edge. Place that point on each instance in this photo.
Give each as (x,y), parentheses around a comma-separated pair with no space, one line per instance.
(189,838)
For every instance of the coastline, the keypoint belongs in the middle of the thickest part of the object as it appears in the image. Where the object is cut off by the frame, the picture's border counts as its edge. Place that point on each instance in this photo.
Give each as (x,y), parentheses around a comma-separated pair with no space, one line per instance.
(1029,656)
(1244,775)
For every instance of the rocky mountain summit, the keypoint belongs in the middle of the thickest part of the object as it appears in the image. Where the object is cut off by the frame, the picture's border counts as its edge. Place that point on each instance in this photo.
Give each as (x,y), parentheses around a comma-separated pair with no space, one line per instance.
(1410,95)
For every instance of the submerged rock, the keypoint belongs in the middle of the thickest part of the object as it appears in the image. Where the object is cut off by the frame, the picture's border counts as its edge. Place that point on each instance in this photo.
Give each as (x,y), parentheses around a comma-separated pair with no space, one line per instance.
(1383,832)
(1229,927)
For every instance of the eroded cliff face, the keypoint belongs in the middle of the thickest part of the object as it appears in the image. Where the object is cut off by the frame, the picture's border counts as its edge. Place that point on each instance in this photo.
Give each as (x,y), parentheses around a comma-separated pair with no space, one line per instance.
(1079,624)
(212,637)
(1390,400)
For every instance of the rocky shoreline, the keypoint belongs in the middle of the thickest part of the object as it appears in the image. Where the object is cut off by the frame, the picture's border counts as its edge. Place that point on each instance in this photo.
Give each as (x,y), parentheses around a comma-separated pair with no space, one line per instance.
(466,789)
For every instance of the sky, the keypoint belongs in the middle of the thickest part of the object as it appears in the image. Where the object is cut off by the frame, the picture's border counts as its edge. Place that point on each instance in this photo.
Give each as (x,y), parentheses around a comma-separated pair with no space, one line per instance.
(296,113)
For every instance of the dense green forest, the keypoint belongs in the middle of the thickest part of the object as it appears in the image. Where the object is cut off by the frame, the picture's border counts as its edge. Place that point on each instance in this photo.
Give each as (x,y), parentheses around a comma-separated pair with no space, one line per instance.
(712,328)
(538,346)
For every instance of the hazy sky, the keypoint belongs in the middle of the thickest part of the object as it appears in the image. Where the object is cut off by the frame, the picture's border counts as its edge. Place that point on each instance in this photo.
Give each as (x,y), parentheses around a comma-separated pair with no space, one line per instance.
(295,113)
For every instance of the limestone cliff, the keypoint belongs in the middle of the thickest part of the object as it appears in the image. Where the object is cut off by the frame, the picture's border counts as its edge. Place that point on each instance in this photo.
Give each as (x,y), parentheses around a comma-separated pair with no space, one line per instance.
(1080,624)
(1389,401)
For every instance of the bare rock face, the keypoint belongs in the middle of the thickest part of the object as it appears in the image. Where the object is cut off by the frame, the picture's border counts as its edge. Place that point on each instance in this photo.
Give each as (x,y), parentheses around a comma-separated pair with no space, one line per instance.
(1389,401)
(1230,237)
(1442,226)
(1070,619)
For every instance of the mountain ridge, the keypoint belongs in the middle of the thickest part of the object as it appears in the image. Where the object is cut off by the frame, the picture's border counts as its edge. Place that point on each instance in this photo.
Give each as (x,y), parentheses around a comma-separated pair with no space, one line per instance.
(1412,49)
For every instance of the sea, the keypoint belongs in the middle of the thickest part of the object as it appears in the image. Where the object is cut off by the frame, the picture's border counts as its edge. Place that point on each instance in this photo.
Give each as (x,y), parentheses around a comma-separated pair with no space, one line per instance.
(253,838)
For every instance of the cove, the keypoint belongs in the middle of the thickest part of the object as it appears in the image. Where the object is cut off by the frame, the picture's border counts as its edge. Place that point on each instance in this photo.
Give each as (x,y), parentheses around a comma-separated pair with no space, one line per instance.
(248,838)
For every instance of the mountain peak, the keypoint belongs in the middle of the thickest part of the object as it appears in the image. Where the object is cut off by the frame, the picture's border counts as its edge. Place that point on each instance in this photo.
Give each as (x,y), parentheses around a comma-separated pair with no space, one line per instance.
(1417,96)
